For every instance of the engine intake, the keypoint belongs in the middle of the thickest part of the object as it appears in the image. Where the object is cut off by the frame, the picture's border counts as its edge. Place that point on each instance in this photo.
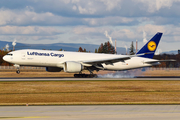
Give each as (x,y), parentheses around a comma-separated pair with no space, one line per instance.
(72,67)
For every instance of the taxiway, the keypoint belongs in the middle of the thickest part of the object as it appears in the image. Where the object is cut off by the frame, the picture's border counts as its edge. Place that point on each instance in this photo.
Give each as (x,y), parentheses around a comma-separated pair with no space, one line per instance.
(93,112)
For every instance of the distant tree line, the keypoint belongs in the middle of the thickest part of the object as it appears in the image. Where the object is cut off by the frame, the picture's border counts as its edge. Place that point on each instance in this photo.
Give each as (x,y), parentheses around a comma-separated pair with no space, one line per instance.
(82,50)
(106,48)
(2,62)
(132,49)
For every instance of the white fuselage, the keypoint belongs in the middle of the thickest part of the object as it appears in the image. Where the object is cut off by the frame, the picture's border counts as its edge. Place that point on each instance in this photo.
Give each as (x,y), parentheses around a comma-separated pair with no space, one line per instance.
(48,58)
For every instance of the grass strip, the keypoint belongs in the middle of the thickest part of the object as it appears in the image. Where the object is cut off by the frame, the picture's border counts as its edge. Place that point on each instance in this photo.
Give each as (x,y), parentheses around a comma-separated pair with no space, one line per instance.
(89,92)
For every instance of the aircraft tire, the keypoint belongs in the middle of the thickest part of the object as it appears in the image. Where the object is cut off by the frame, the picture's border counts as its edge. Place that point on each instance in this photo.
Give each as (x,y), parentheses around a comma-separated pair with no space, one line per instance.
(75,75)
(85,75)
(17,71)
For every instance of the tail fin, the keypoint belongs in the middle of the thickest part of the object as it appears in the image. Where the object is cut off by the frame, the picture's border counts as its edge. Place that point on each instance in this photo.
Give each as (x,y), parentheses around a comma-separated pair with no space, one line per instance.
(150,47)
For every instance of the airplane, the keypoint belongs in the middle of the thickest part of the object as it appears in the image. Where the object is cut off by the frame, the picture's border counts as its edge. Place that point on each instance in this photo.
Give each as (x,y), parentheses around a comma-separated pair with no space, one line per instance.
(76,62)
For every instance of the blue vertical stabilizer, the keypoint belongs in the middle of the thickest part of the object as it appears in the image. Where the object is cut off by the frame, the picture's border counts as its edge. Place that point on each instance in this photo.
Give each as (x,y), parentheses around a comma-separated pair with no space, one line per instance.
(150,47)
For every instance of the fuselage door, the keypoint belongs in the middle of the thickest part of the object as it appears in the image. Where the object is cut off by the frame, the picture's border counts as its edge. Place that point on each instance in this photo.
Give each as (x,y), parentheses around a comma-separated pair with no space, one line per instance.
(23,56)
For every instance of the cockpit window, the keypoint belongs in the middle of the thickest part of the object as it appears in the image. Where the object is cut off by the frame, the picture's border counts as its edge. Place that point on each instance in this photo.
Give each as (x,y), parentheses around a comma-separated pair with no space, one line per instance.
(10,54)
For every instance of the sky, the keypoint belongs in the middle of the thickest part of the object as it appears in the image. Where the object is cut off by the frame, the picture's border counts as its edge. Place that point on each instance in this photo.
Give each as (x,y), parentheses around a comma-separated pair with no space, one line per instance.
(90,21)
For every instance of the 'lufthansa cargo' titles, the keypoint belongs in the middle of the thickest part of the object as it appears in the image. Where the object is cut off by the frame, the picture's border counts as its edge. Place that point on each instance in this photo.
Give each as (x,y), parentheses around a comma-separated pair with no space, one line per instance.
(45,54)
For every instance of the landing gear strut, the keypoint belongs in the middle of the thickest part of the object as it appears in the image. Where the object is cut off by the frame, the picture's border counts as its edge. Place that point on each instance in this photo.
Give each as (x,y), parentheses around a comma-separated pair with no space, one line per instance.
(17,67)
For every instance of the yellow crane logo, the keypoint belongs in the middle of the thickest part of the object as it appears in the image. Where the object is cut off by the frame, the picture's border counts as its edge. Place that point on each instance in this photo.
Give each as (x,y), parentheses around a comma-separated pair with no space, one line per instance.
(151,46)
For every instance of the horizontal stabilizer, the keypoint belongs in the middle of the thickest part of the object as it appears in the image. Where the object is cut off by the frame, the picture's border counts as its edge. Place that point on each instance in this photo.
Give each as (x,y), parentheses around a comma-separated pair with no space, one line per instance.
(155,61)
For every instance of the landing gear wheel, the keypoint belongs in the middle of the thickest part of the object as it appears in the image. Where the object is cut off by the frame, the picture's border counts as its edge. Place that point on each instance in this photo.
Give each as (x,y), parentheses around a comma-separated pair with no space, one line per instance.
(17,71)
(95,76)
(85,75)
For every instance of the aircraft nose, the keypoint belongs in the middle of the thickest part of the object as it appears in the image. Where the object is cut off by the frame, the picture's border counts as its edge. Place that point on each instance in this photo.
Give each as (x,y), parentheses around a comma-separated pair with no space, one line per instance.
(5,58)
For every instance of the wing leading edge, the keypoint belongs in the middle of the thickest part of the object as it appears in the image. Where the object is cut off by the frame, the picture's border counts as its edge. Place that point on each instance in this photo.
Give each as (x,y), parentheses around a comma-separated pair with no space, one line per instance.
(105,61)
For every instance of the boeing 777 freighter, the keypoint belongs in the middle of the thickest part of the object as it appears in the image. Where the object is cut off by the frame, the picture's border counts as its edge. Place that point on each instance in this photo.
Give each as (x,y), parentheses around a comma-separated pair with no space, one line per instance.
(76,62)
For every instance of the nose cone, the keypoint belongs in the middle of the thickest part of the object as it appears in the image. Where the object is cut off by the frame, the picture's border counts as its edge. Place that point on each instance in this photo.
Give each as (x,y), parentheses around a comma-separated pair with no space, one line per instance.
(5,58)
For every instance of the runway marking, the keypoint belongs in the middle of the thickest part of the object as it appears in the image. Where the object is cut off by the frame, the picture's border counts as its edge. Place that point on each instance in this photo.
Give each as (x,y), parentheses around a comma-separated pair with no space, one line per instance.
(24,117)
(151,111)
(85,79)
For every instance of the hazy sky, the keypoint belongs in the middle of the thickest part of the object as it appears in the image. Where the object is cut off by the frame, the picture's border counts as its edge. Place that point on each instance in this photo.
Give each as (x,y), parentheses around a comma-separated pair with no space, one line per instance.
(85,21)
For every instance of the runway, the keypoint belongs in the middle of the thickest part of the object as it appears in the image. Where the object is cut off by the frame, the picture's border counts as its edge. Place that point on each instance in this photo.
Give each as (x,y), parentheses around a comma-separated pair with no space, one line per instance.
(89,112)
(93,112)
(90,79)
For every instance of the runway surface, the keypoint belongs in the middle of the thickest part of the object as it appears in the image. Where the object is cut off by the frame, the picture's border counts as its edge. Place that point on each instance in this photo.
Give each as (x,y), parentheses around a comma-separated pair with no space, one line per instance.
(101,112)
(89,112)
(95,79)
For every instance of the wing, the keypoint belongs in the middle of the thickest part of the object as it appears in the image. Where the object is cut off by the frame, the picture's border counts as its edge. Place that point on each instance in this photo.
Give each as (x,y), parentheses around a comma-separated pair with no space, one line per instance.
(111,60)
(99,62)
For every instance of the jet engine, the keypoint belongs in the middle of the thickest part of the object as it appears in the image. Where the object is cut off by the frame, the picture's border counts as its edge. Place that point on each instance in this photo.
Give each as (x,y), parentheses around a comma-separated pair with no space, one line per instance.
(72,67)
(53,69)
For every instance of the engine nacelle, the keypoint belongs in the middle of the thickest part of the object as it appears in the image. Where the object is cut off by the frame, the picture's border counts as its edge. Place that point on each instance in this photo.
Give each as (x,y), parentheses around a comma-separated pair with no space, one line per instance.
(53,69)
(72,67)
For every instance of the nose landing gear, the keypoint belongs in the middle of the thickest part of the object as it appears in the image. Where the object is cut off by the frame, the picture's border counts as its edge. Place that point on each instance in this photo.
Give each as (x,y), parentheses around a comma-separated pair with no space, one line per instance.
(17,71)
(17,67)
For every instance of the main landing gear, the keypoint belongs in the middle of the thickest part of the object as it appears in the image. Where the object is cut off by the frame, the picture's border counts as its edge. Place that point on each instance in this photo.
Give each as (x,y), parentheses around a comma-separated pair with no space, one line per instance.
(85,75)
(80,75)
